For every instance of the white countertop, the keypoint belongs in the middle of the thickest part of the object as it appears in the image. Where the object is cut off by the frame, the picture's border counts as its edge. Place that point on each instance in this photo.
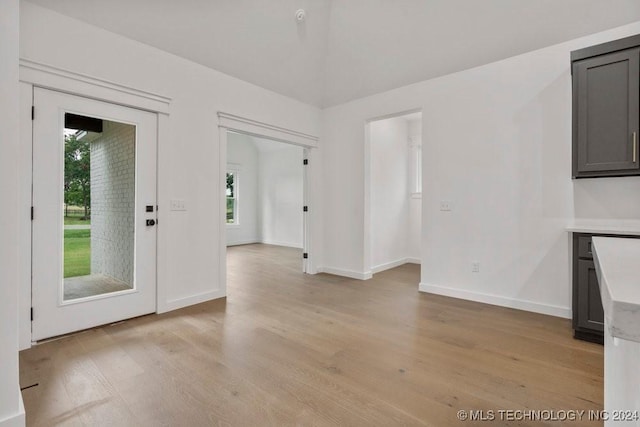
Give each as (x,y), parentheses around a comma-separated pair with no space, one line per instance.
(617,263)
(605,226)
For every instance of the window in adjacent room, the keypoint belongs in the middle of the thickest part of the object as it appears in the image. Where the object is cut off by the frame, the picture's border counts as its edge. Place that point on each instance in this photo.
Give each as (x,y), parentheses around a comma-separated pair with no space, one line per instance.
(232,198)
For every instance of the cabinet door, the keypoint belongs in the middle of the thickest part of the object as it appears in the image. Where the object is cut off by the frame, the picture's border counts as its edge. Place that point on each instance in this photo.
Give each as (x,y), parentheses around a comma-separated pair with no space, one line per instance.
(590,311)
(607,98)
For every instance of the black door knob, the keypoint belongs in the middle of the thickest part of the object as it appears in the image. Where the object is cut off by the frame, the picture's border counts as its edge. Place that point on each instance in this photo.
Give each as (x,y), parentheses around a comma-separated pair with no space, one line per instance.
(151,222)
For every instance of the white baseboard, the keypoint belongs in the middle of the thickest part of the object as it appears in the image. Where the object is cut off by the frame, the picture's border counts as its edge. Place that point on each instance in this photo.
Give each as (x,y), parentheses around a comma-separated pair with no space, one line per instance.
(552,310)
(279,243)
(191,300)
(16,420)
(266,242)
(393,264)
(242,242)
(346,273)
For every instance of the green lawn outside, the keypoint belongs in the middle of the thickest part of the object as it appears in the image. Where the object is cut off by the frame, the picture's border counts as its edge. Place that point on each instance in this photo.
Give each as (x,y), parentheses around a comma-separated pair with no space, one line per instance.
(230,205)
(76,220)
(77,252)
(73,215)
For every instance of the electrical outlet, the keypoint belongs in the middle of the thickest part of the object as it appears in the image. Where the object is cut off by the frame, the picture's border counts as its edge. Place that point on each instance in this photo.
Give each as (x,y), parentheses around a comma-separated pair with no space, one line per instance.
(177,205)
(475,267)
(446,205)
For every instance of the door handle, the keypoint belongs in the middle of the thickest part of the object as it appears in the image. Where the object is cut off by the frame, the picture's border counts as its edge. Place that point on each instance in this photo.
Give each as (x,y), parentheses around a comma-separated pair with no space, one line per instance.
(635,146)
(151,222)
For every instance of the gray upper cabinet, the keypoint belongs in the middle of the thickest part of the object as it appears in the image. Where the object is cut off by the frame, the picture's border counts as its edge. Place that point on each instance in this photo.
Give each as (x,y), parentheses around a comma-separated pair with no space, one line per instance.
(606,109)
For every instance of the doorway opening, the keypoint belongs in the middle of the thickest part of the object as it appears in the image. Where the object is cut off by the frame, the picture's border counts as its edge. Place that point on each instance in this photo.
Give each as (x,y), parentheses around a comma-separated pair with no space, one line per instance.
(283,189)
(393,191)
(265,202)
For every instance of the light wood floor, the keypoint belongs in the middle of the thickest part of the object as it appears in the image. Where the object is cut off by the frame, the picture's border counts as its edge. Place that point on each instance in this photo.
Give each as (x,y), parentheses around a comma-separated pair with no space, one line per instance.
(289,349)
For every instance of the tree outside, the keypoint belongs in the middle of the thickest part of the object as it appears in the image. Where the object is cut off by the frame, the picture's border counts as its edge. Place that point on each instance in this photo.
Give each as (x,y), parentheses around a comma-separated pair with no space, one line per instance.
(77,194)
(77,174)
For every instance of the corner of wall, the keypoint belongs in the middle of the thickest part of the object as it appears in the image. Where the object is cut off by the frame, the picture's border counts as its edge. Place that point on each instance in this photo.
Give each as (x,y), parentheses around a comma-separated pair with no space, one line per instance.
(365,275)
(18,419)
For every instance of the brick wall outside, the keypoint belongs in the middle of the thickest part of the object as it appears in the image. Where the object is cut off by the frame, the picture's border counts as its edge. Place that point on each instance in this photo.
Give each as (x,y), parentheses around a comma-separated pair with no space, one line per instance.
(113,202)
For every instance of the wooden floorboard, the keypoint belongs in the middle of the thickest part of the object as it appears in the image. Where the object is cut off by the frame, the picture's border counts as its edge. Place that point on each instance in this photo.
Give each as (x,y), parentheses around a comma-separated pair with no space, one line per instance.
(286,348)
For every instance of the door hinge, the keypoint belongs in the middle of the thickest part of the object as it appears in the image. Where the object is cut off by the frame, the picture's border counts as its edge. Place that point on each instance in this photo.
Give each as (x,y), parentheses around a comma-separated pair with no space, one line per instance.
(32,314)
(33,112)
(305,161)
(32,215)
(305,255)
(305,208)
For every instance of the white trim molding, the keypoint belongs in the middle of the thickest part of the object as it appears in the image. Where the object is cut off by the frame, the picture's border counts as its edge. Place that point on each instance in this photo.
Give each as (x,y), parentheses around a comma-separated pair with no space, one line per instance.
(263,130)
(394,115)
(18,419)
(243,242)
(551,310)
(55,78)
(393,264)
(366,275)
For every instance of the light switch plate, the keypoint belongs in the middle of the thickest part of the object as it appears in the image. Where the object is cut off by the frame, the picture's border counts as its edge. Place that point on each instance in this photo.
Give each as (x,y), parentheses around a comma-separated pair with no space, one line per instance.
(177,205)
(446,205)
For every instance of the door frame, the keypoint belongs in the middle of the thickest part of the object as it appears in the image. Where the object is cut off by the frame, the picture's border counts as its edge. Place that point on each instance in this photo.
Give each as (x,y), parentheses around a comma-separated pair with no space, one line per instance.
(35,74)
(367,247)
(229,122)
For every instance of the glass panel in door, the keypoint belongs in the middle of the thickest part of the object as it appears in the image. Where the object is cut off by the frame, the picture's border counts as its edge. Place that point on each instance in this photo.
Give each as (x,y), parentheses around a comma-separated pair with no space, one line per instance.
(99,206)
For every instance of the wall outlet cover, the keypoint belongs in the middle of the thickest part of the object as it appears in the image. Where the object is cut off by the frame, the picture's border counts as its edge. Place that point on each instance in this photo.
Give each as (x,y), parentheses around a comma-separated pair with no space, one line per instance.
(475,267)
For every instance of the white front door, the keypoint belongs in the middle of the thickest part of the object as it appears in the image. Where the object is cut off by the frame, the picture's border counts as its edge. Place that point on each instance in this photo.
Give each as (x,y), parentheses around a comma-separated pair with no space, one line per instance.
(94,199)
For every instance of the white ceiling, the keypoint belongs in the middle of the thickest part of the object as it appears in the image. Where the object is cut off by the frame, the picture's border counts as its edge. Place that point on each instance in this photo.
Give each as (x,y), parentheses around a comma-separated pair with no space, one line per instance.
(347,49)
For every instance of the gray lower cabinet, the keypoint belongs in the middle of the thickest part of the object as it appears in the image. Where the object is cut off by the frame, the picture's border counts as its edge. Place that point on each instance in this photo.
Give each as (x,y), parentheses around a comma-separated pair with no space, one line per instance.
(590,311)
(588,314)
(606,110)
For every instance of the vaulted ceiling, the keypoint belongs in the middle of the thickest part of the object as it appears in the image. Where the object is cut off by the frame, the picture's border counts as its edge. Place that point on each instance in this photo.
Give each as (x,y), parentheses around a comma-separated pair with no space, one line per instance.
(347,49)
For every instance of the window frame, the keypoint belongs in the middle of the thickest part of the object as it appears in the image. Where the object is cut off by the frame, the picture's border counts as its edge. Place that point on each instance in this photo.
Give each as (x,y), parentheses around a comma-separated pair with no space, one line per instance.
(415,145)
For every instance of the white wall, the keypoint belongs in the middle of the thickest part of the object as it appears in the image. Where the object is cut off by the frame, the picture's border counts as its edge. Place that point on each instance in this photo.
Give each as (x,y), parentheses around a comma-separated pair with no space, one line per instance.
(281,195)
(242,155)
(496,141)
(390,192)
(188,163)
(11,411)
